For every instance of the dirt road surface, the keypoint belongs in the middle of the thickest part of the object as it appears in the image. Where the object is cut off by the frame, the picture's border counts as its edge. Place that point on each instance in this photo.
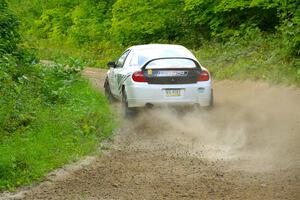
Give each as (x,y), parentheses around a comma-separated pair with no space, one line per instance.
(247,147)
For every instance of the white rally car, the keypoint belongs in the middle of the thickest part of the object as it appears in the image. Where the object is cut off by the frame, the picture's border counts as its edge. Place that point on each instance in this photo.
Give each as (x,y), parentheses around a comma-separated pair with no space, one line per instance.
(158,74)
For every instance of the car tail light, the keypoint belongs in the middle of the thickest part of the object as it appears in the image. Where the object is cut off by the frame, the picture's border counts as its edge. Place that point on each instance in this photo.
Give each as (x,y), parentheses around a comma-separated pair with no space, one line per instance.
(139,77)
(203,76)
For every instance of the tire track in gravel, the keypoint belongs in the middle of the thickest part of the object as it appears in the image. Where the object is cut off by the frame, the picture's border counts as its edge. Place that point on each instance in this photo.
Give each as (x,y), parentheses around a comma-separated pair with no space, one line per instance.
(247,147)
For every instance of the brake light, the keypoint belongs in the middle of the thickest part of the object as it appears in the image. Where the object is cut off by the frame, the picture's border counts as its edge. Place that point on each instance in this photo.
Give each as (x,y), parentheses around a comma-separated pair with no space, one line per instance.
(139,77)
(203,76)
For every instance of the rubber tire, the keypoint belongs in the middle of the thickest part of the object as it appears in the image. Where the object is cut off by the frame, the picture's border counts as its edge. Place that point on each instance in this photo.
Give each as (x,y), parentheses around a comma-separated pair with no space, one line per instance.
(108,93)
(211,102)
(127,111)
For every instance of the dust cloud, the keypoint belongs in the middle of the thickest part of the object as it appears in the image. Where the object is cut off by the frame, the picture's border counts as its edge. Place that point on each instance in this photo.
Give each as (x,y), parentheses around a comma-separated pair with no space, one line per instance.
(253,125)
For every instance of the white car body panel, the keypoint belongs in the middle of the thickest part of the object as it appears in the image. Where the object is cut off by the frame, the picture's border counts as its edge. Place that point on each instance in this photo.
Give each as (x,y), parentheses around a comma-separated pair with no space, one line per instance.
(140,94)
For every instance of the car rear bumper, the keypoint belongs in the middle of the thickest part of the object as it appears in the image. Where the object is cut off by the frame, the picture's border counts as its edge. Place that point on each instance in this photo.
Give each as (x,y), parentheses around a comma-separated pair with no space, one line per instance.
(142,94)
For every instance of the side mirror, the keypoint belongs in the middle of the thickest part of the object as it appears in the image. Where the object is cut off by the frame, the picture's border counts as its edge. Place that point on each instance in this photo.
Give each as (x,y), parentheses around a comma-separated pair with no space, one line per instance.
(111,64)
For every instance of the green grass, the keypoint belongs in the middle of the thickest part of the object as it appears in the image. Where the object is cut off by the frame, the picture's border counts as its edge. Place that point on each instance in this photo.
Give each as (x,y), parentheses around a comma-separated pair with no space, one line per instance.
(92,55)
(60,134)
(262,59)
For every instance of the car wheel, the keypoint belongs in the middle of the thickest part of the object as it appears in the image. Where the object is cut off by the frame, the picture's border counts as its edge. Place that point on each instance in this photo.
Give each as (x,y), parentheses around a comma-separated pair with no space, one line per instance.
(127,111)
(107,91)
(210,105)
(211,102)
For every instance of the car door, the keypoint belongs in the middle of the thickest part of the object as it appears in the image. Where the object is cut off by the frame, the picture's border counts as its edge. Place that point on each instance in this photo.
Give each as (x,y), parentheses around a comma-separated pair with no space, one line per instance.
(117,74)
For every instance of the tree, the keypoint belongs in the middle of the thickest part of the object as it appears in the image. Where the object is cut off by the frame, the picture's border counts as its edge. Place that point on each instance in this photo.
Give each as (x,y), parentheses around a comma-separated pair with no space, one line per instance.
(139,21)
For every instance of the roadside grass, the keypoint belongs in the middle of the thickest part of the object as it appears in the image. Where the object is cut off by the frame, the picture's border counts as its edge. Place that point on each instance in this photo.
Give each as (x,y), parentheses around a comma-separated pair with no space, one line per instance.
(60,134)
(258,59)
(92,55)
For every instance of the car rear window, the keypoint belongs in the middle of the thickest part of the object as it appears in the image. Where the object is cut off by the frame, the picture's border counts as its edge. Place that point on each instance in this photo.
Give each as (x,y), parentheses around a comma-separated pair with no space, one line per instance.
(144,55)
(174,63)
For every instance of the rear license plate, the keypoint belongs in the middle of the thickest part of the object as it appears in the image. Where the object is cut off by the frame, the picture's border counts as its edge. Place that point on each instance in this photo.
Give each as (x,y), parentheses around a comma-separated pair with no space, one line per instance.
(171,73)
(173,93)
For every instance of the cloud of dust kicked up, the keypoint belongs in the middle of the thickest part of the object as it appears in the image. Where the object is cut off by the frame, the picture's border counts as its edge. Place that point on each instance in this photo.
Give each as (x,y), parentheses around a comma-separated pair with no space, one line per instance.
(253,123)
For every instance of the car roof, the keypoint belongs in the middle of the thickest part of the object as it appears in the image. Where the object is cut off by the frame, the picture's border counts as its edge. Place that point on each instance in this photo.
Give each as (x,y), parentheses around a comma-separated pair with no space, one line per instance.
(183,52)
(155,46)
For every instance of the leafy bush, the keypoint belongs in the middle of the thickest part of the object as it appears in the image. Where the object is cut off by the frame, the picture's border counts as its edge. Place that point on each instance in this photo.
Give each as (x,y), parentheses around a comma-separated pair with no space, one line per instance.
(49,115)
(14,71)
(58,134)
(23,89)
(9,36)
(53,24)
(290,30)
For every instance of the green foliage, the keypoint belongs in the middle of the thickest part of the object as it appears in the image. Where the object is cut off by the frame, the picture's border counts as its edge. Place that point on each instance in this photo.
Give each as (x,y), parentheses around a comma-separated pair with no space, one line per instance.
(14,90)
(252,57)
(24,87)
(94,18)
(92,29)
(15,85)
(57,135)
(9,36)
(290,30)
(136,22)
(55,83)
(49,115)
(53,23)
(63,29)
(223,19)
(79,22)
